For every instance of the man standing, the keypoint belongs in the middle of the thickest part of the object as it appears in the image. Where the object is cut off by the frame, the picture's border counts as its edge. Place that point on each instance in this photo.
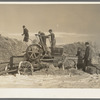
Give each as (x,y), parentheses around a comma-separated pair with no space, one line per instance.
(80,58)
(52,40)
(42,37)
(87,56)
(25,33)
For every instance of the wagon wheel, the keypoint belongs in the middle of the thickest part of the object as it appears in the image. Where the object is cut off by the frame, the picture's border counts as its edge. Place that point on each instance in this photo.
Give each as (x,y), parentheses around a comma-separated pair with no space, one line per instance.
(33,52)
(23,66)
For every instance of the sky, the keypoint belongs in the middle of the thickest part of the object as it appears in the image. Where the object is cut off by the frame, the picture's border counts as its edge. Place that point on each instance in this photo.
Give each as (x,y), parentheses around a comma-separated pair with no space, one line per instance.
(69,22)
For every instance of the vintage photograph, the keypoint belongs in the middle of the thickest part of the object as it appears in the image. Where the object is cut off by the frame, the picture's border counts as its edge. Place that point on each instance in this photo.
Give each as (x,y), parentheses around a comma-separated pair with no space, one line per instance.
(49,45)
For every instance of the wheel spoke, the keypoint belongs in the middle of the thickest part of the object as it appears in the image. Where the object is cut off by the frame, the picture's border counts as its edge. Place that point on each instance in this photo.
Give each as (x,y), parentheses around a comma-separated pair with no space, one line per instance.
(33,51)
(30,51)
(34,55)
(31,56)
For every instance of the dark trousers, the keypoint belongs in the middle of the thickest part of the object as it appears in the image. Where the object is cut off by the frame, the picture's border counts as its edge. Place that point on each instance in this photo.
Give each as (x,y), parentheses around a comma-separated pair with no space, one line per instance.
(80,63)
(86,63)
(26,39)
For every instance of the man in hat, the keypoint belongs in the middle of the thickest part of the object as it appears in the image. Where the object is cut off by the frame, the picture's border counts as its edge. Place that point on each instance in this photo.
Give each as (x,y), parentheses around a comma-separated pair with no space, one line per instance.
(52,40)
(87,56)
(42,37)
(25,33)
(80,58)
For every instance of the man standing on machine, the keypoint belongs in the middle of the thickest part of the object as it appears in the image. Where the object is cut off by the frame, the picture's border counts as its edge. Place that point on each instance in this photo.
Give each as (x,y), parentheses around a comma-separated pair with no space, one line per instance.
(25,33)
(52,40)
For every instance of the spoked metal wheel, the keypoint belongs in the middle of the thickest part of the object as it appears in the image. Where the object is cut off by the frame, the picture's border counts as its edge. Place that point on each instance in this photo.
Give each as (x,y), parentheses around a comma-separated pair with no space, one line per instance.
(25,67)
(33,52)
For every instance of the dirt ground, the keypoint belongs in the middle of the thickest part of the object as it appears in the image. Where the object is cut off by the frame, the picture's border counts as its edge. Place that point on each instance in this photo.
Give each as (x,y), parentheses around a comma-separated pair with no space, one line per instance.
(62,79)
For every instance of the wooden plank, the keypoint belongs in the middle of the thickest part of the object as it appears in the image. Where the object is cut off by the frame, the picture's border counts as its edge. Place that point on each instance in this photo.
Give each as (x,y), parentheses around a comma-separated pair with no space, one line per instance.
(47,59)
(12,70)
(4,62)
(7,71)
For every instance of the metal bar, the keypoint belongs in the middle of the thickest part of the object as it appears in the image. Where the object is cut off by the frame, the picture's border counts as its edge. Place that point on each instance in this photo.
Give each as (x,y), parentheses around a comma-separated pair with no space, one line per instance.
(47,59)
(17,56)
(4,62)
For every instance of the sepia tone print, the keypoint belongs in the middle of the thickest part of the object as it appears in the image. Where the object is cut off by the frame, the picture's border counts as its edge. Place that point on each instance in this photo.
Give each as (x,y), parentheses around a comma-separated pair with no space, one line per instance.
(49,46)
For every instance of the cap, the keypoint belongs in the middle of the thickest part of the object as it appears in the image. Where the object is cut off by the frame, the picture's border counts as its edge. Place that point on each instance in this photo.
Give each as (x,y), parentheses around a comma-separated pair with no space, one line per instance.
(86,43)
(50,30)
(23,25)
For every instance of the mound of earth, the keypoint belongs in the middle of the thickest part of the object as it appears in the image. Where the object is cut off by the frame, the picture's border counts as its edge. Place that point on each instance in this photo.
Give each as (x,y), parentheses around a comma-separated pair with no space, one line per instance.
(10,47)
(52,70)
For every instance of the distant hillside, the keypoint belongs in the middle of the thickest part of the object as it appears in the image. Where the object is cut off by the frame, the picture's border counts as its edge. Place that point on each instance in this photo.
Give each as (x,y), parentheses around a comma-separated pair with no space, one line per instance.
(10,47)
(71,49)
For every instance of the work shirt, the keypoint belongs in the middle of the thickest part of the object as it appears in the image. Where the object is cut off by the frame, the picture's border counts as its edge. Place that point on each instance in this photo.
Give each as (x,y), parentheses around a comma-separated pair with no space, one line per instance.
(88,53)
(26,35)
(52,36)
(25,32)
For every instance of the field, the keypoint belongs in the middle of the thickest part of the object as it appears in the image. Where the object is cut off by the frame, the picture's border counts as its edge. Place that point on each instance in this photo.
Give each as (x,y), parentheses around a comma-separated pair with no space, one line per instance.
(46,80)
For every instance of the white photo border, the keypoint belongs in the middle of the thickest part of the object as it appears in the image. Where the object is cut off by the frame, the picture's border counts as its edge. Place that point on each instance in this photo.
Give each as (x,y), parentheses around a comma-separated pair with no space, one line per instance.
(49,92)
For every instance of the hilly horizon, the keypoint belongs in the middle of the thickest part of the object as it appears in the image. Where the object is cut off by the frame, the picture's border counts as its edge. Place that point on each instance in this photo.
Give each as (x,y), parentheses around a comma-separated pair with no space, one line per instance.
(61,37)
